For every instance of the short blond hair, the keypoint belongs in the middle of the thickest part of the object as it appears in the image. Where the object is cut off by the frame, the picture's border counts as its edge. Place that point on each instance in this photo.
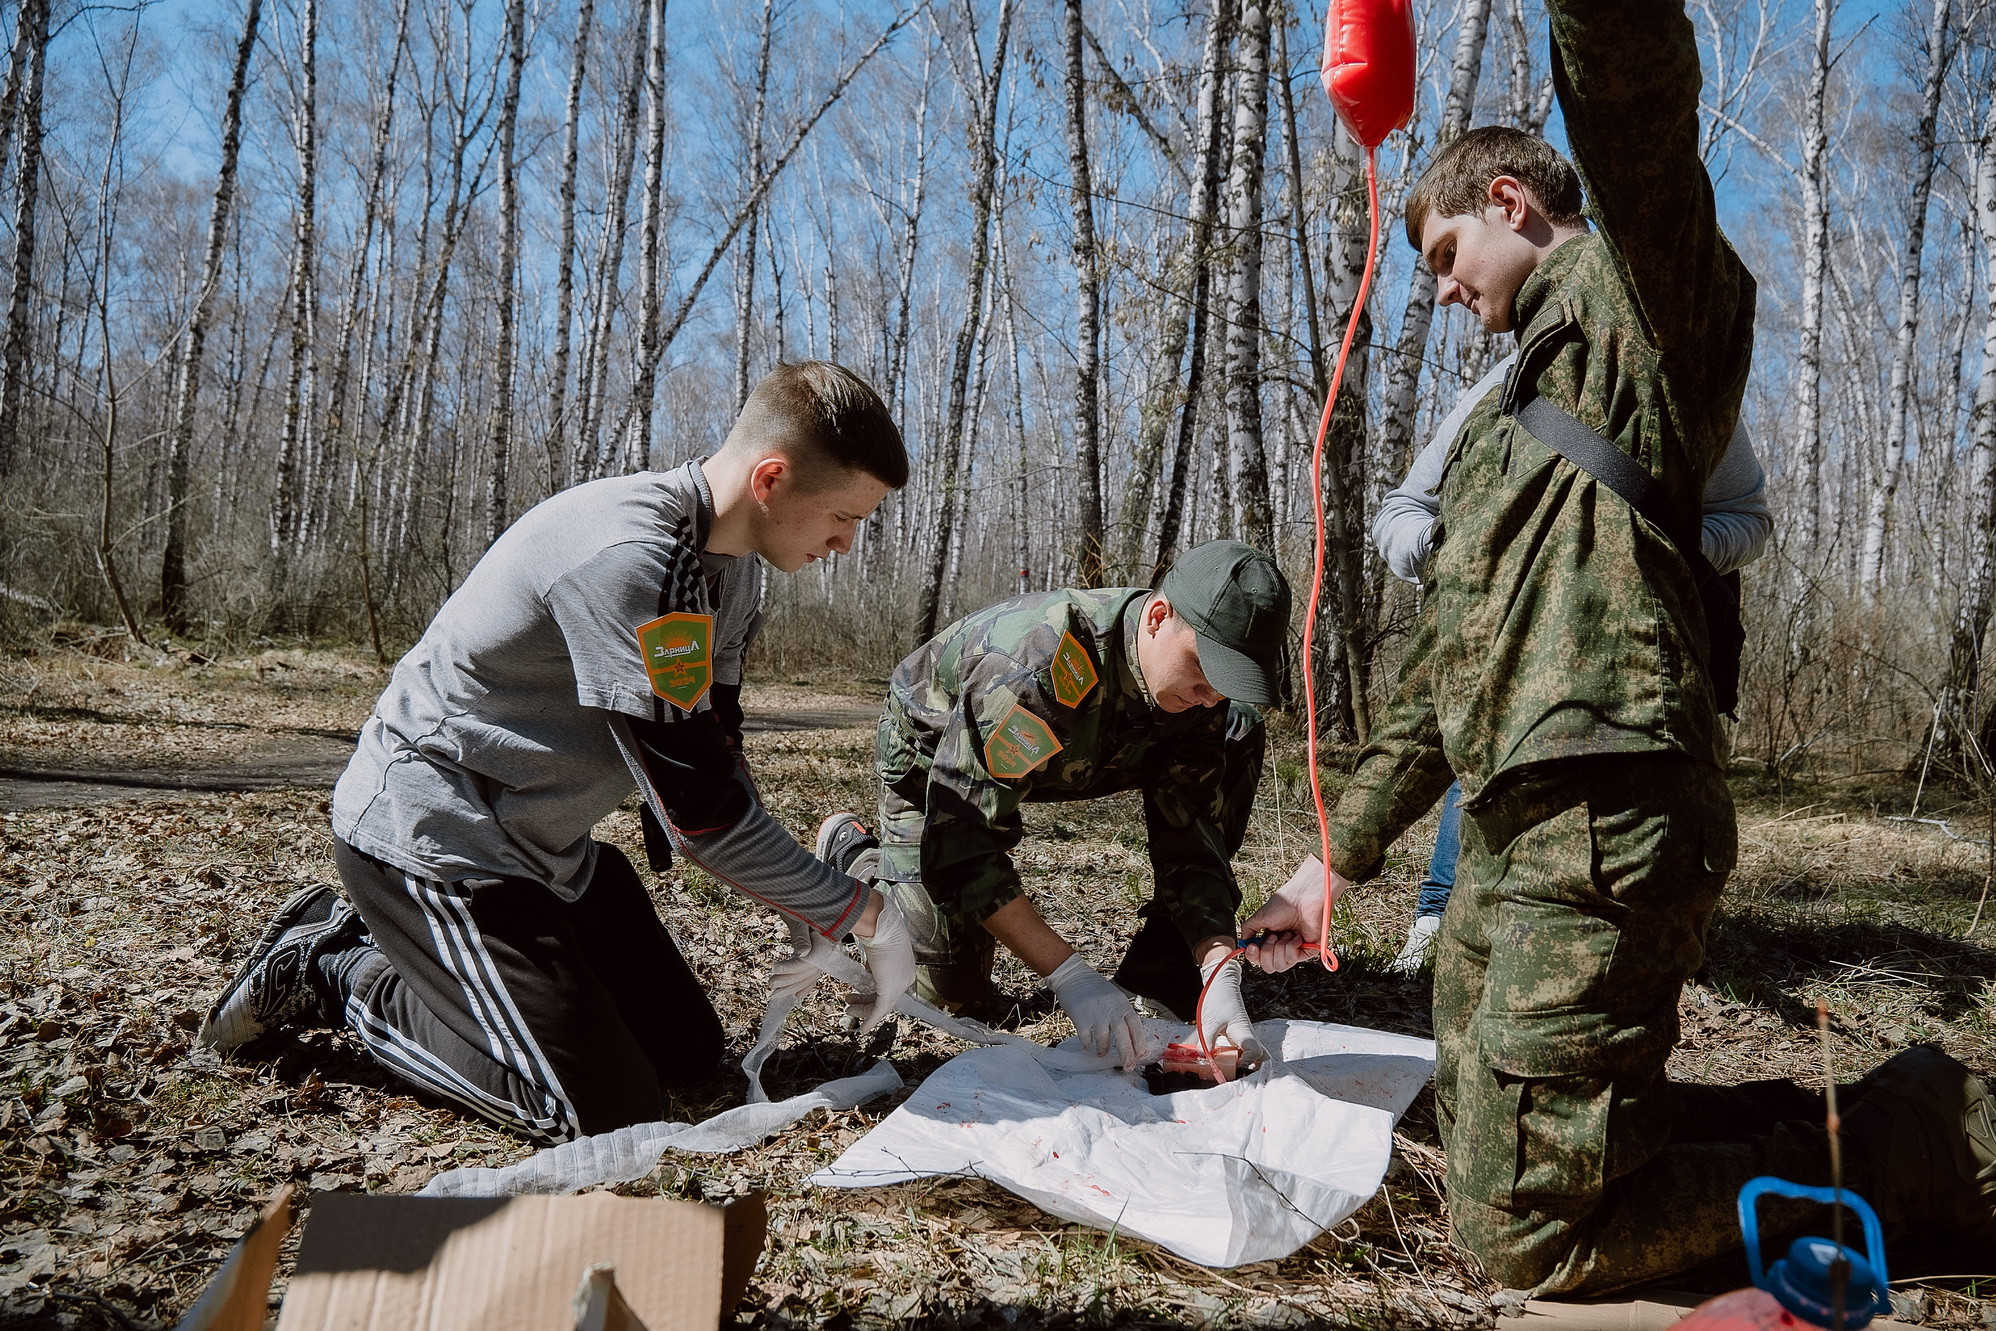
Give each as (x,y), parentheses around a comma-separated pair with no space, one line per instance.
(827,420)
(1457,182)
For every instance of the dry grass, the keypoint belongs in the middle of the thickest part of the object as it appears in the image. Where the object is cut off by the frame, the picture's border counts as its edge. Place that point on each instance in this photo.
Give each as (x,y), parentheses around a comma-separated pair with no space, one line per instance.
(129,1162)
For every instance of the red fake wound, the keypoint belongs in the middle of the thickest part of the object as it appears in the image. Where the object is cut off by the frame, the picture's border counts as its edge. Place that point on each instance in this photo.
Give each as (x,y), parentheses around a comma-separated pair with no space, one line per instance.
(1221,1064)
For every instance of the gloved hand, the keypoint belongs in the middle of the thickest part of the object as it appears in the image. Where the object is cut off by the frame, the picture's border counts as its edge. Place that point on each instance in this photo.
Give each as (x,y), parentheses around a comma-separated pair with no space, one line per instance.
(1102,1014)
(794,975)
(890,955)
(1224,1016)
(1293,916)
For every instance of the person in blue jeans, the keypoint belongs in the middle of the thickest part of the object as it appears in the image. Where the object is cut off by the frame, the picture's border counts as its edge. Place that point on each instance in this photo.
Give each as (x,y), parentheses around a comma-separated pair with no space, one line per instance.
(1736,527)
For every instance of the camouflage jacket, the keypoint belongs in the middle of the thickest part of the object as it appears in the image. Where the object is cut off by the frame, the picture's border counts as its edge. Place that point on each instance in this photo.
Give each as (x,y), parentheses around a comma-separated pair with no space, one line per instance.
(1039,699)
(1558,623)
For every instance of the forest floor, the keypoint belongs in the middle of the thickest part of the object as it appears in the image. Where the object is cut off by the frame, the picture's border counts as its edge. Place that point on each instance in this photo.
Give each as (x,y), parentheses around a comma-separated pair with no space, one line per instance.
(129,1162)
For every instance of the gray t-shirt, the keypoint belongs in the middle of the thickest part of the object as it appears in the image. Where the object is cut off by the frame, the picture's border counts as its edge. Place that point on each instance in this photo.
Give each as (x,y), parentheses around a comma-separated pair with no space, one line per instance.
(487,756)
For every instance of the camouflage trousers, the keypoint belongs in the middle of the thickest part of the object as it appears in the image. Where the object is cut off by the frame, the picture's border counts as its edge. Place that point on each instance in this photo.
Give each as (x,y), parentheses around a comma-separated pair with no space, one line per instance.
(1574,1165)
(1581,902)
(954,956)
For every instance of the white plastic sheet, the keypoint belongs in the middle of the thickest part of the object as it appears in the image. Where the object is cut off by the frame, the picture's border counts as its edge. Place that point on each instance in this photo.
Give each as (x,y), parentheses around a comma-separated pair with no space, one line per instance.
(1229,1174)
(633,1152)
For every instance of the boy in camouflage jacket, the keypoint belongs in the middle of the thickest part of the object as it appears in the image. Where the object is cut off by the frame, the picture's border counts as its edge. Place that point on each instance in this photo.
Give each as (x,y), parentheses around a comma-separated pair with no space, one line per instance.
(1072,695)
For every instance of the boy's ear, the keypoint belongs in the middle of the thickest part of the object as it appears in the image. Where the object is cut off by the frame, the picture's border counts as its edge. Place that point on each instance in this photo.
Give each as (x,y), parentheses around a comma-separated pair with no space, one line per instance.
(1510,194)
(764,475)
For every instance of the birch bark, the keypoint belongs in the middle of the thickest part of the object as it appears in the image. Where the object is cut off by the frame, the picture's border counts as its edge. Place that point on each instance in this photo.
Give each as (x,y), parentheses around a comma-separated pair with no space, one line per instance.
(1246,451)
(1878,514)
(1212,81)
(1088,321)
(498,488)
(1815,259)
(745,257)
(14,366)
(983,185)
(187,373)
(559,468)
(300,380)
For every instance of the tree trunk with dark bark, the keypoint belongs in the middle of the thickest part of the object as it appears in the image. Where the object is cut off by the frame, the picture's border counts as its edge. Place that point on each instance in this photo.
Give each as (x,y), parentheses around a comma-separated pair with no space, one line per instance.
(983,184)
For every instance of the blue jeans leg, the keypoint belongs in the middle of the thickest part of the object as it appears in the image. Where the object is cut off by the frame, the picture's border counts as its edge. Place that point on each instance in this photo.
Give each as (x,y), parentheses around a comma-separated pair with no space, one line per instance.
(1435,888)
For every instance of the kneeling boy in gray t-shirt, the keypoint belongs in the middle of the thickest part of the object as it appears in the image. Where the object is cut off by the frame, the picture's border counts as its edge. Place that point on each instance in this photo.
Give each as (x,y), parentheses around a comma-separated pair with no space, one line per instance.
(493,952)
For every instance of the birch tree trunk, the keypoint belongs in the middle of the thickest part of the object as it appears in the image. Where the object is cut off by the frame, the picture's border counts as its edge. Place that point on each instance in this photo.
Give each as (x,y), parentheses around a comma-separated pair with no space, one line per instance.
(299,385)
(1299,222)
(1168,397)
(1879,513)
(1246,452)
(1403,370)
(983,184)
(356,297)
(498,490)
(593,446)
(559,469)
(1964,677)
(1815,259)
(745,256)
(635,432)
(1212,80)
(911,235)
(10,99)
(1344,633)
(14,366)
(1088,299)
(187,373)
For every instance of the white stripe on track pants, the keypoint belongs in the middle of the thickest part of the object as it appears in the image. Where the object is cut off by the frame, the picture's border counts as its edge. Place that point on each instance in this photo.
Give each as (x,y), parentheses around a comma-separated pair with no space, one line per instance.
(557,1019)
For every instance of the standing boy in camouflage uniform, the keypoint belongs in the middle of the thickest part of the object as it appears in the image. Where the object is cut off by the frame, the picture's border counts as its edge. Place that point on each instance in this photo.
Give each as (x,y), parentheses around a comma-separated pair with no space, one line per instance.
(1560,669)
(1070,695)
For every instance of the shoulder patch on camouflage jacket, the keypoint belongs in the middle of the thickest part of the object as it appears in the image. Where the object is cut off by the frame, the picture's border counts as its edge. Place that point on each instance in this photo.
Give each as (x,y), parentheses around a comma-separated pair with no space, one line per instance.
(1018,744)
(1074,674)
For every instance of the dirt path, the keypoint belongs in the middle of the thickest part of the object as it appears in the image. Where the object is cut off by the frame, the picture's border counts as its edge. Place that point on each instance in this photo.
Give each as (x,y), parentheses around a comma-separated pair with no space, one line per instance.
(297,759)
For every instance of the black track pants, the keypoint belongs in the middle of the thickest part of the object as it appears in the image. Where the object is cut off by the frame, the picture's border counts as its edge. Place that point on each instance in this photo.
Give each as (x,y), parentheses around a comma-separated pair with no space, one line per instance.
(558,1019)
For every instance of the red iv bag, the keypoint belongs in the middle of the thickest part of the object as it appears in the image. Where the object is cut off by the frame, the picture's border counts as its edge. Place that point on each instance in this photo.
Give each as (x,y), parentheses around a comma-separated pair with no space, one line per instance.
(1369,66)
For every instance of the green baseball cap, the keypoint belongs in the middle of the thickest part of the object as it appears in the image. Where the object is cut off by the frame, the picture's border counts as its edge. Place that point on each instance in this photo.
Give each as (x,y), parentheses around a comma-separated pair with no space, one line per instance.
(1237,602)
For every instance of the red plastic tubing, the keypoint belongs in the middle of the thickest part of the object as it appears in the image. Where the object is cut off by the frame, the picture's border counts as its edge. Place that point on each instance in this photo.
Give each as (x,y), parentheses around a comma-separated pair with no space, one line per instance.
(1323,949)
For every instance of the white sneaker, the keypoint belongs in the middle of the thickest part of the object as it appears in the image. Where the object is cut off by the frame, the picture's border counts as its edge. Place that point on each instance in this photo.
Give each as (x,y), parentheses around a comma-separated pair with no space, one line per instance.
(1420,942)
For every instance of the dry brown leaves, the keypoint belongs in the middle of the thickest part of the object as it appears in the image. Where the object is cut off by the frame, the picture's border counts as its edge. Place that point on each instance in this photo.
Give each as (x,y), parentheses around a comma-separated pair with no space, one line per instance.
(129,1162)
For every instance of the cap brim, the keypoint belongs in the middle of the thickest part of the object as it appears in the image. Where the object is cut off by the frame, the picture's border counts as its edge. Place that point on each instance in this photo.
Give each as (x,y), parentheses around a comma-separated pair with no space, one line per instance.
(1235,674)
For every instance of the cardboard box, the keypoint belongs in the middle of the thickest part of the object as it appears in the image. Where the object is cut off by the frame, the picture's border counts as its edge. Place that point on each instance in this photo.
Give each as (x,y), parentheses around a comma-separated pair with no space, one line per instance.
(394,1263)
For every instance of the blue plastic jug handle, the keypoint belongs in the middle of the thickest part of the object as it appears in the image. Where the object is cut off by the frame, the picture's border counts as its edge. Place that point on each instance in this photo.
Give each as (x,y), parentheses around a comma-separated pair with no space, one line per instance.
(1750,1195)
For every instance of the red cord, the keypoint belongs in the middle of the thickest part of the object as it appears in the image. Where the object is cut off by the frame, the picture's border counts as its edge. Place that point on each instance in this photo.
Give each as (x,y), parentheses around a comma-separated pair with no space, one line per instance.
(1324,949)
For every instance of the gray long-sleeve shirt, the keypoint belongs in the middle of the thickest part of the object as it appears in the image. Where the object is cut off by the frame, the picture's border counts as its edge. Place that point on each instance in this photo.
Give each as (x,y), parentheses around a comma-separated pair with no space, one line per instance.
(502,738)
(1736,519)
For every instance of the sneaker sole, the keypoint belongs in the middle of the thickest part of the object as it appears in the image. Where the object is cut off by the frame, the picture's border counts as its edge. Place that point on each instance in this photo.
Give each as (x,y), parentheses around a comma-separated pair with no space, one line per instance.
(828,830)
(225,1031)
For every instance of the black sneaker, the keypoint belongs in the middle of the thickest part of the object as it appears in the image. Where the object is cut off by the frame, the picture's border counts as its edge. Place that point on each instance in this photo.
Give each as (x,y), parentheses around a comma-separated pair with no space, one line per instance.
(1929,1127)
(276,985)
(842,839)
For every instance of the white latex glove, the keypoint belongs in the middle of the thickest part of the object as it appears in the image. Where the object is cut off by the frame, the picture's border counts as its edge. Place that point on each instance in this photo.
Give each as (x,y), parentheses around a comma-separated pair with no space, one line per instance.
(1225,1016)
(1292,917)
(793,976)
(890,955)
(1101,1013)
